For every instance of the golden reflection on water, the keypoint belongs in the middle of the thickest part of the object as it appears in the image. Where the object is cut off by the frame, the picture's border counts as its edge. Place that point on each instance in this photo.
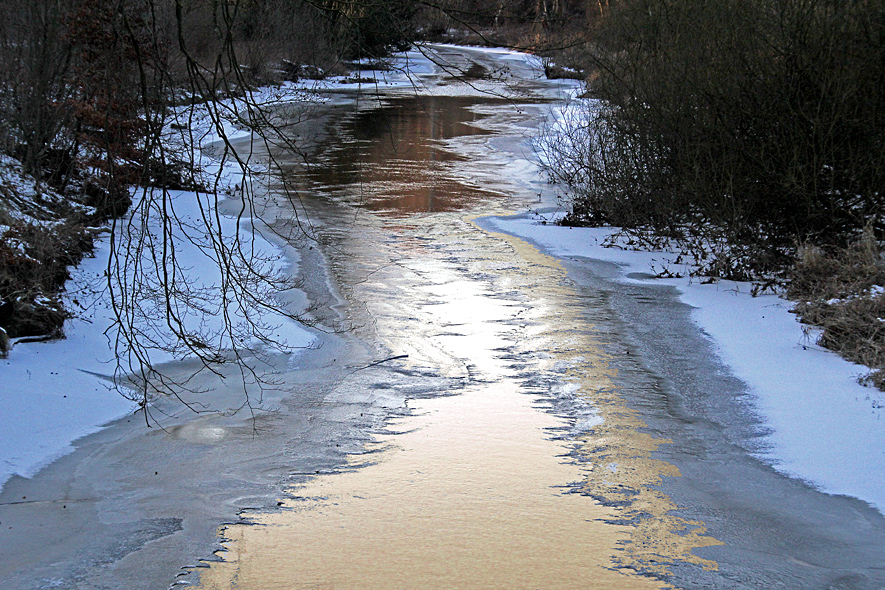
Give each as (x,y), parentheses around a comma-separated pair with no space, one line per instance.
(392,158)
(463,501)
(621,469)
(473,493)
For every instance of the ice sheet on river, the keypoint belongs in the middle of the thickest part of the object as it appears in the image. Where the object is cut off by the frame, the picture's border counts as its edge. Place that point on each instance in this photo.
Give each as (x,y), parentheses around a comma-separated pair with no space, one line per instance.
(823,427)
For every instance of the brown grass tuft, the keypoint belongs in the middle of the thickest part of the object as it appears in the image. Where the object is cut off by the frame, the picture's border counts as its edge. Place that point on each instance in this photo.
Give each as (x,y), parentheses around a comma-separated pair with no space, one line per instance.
(843,292)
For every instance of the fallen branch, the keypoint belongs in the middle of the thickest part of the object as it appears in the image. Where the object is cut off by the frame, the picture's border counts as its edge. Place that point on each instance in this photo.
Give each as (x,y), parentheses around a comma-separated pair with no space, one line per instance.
(393,358)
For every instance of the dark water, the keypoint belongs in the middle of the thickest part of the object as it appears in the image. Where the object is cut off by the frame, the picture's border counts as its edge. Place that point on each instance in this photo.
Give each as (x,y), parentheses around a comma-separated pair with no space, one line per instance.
(393,159)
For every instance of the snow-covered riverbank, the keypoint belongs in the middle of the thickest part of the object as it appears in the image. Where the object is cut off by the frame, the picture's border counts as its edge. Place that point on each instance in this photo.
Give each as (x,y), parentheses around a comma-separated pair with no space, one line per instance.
(59,391)
(823,427)
(56,392)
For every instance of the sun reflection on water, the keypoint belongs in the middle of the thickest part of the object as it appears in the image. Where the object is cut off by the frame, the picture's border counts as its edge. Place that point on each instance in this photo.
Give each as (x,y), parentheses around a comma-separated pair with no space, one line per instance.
(479,489)
(475,493)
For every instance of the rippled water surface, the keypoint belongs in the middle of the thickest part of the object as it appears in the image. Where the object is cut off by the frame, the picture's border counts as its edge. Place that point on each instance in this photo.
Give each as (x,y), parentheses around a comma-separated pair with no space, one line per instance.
(392,158)
(521,467)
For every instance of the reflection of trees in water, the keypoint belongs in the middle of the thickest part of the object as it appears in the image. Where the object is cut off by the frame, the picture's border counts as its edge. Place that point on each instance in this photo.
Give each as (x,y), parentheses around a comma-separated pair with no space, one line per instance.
(394,156)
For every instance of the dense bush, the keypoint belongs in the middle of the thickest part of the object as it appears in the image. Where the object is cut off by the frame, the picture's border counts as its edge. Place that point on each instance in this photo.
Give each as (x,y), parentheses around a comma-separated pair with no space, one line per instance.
(762,118)
(369,29)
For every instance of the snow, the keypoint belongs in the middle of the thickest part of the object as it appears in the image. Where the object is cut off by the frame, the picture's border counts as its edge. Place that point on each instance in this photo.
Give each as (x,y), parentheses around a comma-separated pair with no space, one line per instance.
(825,428)
(54,393)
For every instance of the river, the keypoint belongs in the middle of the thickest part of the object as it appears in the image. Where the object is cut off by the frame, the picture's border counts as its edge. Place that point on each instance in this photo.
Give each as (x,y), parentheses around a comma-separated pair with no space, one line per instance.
(528,450)
(476,414)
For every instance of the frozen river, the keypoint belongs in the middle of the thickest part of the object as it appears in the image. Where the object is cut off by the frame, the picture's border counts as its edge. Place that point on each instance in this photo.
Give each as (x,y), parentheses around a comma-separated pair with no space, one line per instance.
(554,428)
(476,413)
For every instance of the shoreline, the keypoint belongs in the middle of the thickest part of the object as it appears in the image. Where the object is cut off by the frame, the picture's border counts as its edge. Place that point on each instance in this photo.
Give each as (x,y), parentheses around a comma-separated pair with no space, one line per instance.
(815,423)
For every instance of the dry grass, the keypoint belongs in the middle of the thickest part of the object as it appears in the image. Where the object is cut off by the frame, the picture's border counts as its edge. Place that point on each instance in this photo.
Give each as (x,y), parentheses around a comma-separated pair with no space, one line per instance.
(34,263)
(843,292)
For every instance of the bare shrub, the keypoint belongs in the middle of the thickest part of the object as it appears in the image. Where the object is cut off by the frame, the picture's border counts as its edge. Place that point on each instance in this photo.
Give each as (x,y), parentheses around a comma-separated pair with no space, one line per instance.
(762,119)
(34,263)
